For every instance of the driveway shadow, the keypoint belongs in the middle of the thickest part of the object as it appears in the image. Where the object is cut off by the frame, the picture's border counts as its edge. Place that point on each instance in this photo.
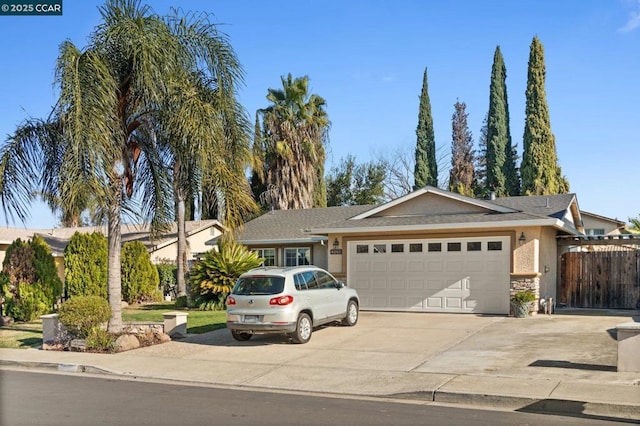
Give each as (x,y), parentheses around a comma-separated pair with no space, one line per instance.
(557,407)
(572,365)
(222,337)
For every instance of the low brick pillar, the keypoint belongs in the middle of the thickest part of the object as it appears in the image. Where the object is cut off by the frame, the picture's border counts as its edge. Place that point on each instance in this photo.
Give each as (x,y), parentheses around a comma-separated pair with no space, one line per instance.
(629,347)
(52,328)
(175,323)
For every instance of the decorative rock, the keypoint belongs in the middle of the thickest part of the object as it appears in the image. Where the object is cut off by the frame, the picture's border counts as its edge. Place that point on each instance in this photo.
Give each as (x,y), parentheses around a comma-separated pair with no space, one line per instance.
(162,338)
(123,303)
(126,342)
(6,320)
(78,345)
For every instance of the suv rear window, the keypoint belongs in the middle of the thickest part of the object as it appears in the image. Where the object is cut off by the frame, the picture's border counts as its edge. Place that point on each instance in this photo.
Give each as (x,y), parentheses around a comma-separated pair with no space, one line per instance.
(259,285)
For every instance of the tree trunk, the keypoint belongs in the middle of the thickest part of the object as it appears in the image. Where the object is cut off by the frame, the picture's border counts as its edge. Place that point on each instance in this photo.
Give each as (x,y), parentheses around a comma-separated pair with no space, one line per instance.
(181,260)
(114,279)
(182,248)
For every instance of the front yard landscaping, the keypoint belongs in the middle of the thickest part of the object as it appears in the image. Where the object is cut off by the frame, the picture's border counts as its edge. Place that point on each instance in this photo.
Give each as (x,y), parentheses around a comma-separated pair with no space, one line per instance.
(29,334)
(197,321)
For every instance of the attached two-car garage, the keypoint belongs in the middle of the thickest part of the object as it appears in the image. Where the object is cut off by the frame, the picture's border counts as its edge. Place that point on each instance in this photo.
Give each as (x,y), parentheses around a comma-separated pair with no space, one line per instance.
(465,275)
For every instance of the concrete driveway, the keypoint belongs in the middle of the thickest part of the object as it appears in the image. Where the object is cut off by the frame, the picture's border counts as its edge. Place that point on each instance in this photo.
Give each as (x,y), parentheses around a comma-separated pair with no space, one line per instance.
(573,344)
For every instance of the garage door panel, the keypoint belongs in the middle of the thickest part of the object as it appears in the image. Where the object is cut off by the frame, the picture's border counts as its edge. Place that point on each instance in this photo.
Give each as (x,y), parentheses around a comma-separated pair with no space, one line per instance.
(434,302)
(475,281)
(454,302)
(435,266)
(362,266)
(475,266)
(415,266)
(414,284)
(435,284)
(379,283)
(456,285)
(493,266)
(455,266)
(470,304)
(379,266)
(397,266)
(397,284)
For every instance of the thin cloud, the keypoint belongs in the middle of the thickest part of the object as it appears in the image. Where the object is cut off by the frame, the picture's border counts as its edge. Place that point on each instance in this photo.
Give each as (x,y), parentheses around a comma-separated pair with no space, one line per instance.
(634,20)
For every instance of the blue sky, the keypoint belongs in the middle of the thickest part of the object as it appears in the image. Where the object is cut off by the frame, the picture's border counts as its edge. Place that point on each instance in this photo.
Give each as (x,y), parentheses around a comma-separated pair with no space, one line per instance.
(366,58)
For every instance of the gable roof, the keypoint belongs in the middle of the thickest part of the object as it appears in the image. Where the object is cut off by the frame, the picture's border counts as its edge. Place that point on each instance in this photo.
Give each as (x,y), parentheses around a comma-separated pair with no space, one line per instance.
(618,223)
(484,204)
(544,205)
(309,225)
(558,211)
(292,226)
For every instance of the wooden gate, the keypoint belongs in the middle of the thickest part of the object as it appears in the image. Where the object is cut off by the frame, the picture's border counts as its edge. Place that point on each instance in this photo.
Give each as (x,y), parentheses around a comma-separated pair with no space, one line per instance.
(602,279)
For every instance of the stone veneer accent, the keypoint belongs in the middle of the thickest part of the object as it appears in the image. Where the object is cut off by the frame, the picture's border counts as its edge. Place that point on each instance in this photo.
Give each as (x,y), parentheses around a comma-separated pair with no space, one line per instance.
(527,282)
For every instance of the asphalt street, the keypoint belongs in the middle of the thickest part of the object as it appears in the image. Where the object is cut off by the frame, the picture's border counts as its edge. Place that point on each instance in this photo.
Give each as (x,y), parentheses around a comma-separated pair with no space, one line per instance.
(39,398)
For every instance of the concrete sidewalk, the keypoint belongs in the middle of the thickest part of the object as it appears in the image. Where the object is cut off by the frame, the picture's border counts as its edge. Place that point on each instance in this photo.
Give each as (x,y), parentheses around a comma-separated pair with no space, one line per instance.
(562,363)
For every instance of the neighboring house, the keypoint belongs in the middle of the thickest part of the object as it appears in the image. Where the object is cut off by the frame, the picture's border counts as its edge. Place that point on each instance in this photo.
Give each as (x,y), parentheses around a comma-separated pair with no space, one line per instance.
(599,225)
(163,248)
(431,250)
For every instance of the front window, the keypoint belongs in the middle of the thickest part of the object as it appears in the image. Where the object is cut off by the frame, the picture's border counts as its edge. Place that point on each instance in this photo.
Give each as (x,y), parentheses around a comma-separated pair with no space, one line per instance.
(268,254)
(297,256)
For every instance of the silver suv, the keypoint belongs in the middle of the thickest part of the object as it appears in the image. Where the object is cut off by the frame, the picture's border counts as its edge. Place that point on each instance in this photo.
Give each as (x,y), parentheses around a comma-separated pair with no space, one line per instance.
(288,301)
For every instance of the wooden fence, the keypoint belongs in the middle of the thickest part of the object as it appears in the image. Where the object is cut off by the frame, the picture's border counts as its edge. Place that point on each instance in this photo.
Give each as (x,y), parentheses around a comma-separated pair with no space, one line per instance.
(604,279)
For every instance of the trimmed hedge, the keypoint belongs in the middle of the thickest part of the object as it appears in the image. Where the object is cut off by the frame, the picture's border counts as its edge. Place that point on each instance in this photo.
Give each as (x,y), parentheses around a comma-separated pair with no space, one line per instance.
(81,314)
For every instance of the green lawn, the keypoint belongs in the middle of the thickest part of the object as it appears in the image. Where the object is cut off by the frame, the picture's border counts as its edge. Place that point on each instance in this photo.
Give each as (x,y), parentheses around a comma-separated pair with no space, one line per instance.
(23,335)
(197,321)
(26,335)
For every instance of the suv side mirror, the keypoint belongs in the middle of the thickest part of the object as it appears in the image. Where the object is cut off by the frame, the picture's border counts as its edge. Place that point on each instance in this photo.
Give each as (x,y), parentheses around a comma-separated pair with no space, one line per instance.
(339,285)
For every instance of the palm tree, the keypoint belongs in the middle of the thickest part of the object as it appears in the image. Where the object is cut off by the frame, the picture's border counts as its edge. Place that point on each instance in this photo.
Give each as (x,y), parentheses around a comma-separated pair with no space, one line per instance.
(205,132)
(111,96)
(295,132)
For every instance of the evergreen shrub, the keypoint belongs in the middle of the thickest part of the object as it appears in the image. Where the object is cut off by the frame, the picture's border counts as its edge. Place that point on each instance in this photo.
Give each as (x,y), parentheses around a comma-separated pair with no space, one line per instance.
(81,314)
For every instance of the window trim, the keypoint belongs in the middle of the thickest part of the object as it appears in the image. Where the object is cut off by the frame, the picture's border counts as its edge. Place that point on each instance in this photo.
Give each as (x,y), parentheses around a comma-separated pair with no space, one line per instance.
(263,249)
(297,256)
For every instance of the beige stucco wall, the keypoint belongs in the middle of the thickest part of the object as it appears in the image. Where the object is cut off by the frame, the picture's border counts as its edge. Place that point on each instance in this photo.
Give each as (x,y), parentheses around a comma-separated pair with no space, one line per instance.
(525,256)
(430,204)
(548,263)
(591,222)
(195,245)
(3,252)
(319,255)
(538,256)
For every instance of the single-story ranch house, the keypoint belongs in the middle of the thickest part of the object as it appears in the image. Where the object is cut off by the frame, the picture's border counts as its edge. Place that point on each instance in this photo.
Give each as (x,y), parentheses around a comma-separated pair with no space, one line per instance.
(431,250)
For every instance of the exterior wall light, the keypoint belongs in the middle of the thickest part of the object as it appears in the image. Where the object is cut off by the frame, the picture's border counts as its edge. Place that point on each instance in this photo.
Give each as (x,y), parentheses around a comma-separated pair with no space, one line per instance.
(522,239)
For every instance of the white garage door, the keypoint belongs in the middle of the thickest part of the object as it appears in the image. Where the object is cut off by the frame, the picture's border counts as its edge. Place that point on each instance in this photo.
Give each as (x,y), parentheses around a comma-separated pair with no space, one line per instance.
(468,275)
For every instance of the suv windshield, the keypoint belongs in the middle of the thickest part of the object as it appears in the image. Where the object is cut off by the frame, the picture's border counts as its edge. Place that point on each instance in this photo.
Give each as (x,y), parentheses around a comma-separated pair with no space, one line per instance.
(258,285)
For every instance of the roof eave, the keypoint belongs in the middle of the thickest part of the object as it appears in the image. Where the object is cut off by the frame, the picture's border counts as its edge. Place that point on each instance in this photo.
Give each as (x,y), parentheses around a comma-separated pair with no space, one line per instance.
(556,223)
(462,198)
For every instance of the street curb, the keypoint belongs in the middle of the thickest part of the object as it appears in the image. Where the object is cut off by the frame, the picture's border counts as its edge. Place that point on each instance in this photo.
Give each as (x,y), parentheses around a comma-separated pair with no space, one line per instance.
(587,409)
(58,366)
(583,409)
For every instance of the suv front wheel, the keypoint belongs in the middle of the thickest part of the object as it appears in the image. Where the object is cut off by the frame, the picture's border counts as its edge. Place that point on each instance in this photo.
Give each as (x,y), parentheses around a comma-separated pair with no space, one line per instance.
(304,328)
(351,318)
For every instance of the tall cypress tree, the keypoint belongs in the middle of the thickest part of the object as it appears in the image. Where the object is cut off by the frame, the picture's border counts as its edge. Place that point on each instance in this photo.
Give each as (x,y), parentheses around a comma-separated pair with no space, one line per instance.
(540,171)
(461,175)
(257,181)
(480,189)
(502,175)
(426,168)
